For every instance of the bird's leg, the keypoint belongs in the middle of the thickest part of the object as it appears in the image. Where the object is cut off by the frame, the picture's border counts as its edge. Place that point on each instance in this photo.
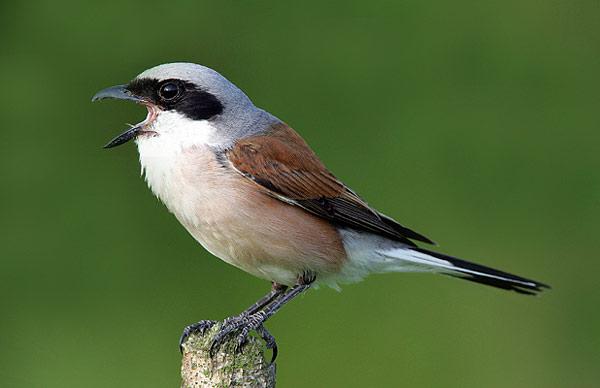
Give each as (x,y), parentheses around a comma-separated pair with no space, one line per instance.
(276,290)
(202,326)
(233,323)
(256,319)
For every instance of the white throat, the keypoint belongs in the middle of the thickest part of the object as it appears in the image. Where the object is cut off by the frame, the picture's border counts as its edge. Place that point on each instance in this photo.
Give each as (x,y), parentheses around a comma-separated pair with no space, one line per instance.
(160,154)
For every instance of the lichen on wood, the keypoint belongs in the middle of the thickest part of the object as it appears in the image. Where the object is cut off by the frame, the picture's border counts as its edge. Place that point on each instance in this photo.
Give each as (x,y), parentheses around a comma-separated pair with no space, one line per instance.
(227,368)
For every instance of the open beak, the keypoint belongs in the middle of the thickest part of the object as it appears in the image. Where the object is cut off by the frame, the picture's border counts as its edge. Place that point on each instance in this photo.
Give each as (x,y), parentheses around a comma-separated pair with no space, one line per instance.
(120,92)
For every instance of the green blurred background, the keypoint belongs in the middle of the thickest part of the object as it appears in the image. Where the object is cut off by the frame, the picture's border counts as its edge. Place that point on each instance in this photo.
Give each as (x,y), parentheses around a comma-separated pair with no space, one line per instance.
(474,122)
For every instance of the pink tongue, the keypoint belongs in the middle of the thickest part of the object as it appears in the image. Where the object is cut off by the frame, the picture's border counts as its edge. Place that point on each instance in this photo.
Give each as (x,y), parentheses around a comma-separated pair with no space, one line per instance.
(149,117)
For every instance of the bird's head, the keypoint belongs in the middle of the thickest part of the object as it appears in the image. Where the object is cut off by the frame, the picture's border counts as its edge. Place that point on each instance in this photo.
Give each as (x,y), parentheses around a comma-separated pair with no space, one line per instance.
(186,102)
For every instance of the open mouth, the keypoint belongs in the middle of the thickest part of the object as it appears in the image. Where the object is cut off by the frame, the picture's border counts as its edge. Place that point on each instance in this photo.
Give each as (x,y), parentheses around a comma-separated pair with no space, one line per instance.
(137,130)
(120,92)
(148,121)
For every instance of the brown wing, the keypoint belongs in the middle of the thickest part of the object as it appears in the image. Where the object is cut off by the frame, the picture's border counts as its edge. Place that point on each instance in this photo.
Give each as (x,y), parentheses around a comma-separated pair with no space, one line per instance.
(287,169)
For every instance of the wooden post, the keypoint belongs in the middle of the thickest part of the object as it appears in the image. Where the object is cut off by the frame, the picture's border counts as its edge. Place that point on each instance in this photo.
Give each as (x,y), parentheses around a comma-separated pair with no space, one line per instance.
(228,368)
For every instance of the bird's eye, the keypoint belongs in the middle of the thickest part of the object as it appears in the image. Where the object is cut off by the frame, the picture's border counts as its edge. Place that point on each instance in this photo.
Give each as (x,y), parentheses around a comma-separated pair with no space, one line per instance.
(168,91)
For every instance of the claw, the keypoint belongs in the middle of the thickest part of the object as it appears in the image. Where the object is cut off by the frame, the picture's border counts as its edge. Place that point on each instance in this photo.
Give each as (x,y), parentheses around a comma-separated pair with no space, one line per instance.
(245,323)
(198,327)
(270,342)
(241,341)
(229,325)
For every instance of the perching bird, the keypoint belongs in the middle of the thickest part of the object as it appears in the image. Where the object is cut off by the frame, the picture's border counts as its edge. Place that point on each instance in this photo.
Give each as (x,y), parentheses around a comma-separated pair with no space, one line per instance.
(250,190)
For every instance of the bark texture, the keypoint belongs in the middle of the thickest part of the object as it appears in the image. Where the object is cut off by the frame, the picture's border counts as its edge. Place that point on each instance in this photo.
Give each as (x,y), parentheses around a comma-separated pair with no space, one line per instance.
(249,368)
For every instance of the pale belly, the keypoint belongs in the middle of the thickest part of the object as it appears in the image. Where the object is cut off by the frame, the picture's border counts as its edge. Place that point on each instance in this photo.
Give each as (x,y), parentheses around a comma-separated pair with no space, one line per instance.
(230,217)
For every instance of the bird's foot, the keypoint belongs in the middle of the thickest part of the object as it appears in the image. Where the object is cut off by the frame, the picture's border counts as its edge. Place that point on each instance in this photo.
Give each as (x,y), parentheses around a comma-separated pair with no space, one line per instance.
(244,323)
(198,327)
(269,340)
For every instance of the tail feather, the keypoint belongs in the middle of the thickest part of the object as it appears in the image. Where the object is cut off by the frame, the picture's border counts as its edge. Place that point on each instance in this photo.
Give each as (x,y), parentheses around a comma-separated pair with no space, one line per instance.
(484,275)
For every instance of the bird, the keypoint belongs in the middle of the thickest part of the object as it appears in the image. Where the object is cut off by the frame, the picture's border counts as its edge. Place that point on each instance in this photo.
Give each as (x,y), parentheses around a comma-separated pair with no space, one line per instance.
(251,191)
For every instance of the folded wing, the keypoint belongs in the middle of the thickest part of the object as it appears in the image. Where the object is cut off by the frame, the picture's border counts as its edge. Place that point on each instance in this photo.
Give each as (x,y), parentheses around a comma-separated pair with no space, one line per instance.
(285,167)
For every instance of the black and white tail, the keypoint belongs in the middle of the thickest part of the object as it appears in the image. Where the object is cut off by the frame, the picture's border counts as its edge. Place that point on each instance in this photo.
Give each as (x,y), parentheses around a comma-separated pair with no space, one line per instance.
(488,276)
(452,266)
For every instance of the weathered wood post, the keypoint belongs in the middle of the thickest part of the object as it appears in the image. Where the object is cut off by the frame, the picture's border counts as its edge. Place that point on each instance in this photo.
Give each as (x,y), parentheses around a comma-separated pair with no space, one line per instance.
(249,368)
